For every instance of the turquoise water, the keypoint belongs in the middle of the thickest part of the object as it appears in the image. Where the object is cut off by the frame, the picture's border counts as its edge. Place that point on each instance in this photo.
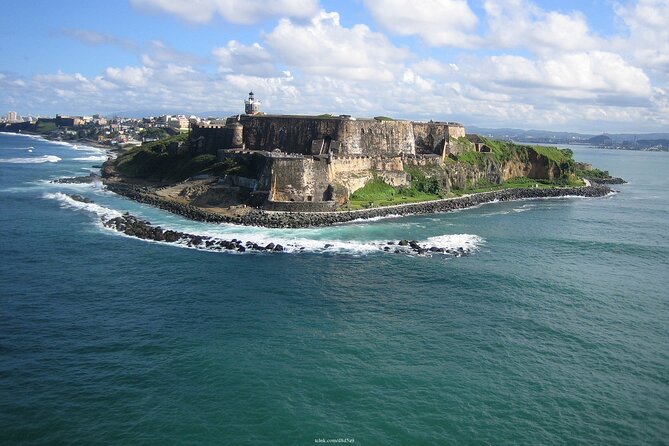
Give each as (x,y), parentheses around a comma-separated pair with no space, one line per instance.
(555,331)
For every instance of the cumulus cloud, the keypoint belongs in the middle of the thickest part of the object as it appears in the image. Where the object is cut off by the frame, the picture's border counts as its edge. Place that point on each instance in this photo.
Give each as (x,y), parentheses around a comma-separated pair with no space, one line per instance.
(516,23)
(437,22)
(245,59)
(132,76)
(590,75)
(244,12)
(648,39)
(324,47)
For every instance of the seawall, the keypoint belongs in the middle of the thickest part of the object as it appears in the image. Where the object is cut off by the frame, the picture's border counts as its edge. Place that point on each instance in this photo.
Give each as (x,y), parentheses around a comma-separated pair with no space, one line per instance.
(274,219)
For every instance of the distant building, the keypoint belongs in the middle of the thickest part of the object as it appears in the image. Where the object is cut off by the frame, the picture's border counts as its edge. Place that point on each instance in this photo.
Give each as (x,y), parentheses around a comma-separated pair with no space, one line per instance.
(12,116)
(252,105)
(179,123)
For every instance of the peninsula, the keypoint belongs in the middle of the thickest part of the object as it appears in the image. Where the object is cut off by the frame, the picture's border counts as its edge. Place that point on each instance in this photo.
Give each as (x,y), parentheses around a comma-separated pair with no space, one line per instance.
(296,171)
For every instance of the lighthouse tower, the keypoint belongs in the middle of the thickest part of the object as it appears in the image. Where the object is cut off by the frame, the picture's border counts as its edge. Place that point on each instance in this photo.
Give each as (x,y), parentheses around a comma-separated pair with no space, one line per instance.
(251,105)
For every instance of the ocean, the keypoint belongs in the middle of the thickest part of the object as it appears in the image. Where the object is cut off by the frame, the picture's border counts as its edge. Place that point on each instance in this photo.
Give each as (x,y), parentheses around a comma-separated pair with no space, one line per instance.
(555,330)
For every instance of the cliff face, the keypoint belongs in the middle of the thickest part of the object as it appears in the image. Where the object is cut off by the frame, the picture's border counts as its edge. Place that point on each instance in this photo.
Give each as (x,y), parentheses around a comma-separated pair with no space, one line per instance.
(463,175)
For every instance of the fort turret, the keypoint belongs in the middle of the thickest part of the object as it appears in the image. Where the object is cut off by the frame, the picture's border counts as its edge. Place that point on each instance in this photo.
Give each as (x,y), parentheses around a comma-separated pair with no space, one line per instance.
(252,105)
(236,132)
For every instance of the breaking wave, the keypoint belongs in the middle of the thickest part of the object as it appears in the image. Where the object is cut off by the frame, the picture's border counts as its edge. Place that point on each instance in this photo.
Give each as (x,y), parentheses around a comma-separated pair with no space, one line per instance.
(33,160)
(94,208)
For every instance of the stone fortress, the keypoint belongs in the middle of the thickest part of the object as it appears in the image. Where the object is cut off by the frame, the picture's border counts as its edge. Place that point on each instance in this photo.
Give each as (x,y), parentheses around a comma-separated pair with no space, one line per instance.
(314,163)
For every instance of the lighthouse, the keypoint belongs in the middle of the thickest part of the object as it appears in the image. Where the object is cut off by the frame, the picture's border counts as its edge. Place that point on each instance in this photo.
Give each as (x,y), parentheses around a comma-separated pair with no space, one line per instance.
(251,105)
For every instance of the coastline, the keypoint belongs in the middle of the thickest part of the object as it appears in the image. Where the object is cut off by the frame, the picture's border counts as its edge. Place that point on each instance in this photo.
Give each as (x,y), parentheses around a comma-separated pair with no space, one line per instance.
(280,219)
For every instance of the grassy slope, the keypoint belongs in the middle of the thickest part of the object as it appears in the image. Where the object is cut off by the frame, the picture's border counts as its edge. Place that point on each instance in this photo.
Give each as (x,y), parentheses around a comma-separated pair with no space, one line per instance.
(379,193)
(151,161)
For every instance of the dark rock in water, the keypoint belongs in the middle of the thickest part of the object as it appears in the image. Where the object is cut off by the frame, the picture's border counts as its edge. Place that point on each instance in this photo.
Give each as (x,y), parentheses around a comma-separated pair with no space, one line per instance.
(77,197)
(612,180)
(434,249)
(403,243)
(241,249)
(397,251)
(269,246)
(328,245)
(278,248)
(77,180)
(386,248)
(391,243)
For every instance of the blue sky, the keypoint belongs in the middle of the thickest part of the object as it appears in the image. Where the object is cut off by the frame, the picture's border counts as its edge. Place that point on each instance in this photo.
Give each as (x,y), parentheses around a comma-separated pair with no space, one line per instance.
(590,65)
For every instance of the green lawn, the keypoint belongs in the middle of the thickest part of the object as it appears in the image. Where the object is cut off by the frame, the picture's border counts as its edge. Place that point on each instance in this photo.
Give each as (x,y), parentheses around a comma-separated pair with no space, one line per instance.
(378,193)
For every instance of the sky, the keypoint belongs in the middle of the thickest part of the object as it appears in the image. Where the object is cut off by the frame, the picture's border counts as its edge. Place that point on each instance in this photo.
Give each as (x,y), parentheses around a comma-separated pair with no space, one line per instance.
(589,65)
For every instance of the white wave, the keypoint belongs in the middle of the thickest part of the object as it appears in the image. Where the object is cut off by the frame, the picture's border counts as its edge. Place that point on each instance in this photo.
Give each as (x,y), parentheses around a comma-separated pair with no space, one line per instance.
(468,242)
(94,208)
(35,160)
(370,219)
(90,149)
(91,158)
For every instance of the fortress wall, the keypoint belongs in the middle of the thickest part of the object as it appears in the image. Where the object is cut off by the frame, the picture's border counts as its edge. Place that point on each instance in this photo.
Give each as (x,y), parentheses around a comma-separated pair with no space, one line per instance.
(431,137)
(290,134)
(376,138)
(353,172)
(287,179)
(456,131)
(422,160)
(299,179)
(295,134)
(214,137)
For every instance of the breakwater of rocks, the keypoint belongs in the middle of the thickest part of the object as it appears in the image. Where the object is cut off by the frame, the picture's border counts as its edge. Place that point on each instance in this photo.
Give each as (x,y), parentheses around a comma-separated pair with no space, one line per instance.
(134,227)
(612,180)
(77,180)
(275,219)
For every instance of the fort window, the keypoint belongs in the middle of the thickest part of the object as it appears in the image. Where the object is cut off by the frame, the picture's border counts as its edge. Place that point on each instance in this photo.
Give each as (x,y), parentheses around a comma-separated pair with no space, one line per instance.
(309,197)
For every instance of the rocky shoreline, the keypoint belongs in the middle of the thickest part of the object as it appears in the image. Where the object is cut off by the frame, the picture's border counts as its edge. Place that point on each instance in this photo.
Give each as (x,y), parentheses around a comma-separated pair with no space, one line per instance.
(274,219)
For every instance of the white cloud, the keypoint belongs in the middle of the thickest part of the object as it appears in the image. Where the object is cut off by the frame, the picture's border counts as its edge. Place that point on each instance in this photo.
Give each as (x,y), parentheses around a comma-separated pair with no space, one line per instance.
(648,39)
(593,75)
(324,47)
(245,12)
(520,23)
(437,22)
(245,59)
(133,76)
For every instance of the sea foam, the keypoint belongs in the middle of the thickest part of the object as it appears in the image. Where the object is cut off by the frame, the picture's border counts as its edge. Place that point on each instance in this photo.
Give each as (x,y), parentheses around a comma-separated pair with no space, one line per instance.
(33,160)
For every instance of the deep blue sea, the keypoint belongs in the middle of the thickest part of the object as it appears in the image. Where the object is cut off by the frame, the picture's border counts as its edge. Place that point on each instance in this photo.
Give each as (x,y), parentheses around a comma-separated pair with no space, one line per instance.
(554,331)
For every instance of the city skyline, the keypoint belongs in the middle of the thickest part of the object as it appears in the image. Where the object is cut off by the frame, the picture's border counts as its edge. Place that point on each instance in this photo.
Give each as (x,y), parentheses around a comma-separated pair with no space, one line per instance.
(594,66)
